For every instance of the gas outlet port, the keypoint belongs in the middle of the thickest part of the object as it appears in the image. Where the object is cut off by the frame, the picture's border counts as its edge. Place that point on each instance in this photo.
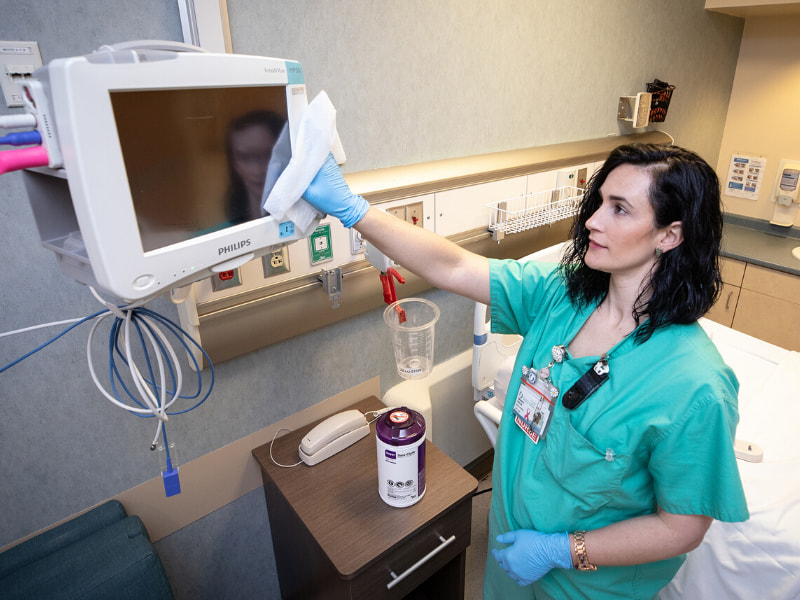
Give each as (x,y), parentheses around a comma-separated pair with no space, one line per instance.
(397,211)
(410,213)
(414,214)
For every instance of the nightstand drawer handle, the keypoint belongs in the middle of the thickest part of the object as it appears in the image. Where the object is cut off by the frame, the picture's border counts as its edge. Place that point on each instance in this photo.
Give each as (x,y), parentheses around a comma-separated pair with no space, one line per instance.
(398,578)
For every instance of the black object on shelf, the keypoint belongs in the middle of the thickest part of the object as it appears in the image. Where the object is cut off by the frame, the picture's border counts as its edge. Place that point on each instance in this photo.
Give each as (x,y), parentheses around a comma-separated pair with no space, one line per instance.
(662,94)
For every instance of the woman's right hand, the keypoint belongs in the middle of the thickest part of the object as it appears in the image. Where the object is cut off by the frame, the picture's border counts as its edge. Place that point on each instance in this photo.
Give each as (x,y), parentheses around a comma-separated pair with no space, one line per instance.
(329,193)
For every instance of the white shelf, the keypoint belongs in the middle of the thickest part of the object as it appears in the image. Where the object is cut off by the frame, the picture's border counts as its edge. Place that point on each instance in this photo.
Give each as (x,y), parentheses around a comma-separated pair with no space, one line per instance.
(532,210)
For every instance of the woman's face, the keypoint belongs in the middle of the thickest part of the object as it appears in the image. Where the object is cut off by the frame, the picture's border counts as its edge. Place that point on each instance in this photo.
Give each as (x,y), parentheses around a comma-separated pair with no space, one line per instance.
(622,234)
(251,149)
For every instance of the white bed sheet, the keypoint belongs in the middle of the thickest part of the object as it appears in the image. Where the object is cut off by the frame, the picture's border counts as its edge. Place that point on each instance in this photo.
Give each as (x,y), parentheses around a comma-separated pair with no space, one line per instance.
(760,558)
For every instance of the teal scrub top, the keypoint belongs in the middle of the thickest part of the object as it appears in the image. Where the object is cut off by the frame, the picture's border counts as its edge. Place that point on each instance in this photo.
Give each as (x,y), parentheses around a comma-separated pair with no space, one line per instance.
(659,432)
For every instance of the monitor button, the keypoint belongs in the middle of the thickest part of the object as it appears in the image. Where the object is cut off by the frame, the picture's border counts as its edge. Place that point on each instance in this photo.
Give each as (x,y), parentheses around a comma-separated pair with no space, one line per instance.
(143,282)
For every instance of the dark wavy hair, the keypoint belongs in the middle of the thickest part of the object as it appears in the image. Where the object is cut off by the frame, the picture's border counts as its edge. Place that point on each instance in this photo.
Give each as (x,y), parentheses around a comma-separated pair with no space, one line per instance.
(685,282)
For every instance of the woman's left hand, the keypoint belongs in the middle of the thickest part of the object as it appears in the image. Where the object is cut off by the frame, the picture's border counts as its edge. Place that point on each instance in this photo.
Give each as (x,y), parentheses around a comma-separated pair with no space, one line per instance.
(532,554)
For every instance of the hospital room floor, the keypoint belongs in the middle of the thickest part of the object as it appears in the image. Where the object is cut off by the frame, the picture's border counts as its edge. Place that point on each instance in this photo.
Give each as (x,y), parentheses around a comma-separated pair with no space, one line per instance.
(476,552)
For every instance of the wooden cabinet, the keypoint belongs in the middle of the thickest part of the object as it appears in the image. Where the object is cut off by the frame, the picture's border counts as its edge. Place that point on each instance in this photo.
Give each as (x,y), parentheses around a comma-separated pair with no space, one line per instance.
(334,538)
(761,302)
(769,307)
(732,275)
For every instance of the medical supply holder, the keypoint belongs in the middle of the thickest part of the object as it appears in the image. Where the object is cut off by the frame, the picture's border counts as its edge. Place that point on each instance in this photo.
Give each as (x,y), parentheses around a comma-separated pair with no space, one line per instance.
(521,213)
(662,94)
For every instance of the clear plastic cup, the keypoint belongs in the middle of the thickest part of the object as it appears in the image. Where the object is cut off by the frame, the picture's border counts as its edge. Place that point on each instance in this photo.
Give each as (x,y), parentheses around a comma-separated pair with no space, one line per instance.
(412,322)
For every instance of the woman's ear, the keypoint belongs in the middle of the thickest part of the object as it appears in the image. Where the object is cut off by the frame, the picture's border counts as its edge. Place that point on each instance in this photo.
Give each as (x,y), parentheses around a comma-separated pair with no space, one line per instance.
(671,236)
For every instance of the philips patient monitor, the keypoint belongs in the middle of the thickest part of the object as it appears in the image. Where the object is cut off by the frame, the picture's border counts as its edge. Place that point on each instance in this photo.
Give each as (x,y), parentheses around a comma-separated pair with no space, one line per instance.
(158,157)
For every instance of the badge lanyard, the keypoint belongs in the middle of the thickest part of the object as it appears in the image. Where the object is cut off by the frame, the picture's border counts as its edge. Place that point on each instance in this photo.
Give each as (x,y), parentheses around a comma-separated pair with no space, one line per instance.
(537,395)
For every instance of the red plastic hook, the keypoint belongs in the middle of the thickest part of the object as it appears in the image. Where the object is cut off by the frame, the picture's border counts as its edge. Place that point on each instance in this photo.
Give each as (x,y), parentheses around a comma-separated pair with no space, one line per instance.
(387,280)
(389,292)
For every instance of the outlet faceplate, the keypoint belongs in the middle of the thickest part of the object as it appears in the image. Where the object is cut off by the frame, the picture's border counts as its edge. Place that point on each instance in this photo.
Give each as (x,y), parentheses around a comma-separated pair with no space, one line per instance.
(414,214)
(276,262)
(18,60)
(226,280)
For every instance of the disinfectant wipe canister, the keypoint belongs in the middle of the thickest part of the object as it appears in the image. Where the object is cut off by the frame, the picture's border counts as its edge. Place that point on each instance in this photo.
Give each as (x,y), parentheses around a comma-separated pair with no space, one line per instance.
(401,456)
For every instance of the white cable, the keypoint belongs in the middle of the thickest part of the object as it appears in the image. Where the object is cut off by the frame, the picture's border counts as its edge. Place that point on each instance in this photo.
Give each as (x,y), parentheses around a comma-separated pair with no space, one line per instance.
(164,405)
(155,406)
(270,450)
(17,121)
(154,445)
(377,413)
(136,374)
(97,383)
(41,326)
(72,321)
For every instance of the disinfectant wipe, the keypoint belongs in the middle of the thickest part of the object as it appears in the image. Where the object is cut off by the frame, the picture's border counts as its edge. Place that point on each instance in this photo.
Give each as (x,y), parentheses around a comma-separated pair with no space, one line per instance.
(315,137)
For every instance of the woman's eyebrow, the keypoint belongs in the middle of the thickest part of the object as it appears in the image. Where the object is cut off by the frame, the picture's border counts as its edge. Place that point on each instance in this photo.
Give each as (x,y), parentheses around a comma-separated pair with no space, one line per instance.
(615,198)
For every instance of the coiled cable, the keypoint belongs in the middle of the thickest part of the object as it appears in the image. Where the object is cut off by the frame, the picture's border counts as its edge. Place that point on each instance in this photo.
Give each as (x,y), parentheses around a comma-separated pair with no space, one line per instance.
(153,386)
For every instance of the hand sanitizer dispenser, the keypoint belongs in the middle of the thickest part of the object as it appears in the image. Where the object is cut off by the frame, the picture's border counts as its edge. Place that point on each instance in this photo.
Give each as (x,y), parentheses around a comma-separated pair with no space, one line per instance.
(785,194)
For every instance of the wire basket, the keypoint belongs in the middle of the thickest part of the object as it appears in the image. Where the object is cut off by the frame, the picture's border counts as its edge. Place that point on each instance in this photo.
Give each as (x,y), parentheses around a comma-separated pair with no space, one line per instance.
(533,210)
(661,95)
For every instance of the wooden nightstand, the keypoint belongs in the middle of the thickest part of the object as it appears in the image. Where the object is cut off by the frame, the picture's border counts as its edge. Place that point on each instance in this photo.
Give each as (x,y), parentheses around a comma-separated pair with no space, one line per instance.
(334,537)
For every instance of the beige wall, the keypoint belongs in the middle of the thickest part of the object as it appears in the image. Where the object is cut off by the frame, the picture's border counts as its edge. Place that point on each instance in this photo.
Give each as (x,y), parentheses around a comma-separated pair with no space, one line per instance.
(763,118)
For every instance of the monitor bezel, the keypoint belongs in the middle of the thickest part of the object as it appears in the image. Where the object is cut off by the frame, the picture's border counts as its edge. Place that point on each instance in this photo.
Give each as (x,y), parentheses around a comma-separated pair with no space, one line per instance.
(95,168)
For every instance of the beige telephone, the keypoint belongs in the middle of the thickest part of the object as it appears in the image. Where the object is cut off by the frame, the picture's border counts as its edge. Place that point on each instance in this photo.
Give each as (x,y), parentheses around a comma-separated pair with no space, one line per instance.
(333,435)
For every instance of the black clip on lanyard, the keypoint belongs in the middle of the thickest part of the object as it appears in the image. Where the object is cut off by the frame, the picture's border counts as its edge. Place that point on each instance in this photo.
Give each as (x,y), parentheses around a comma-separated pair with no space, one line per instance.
(587,384)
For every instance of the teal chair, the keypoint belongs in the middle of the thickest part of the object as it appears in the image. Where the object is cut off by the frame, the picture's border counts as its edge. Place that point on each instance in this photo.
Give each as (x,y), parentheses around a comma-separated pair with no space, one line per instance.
(101,554)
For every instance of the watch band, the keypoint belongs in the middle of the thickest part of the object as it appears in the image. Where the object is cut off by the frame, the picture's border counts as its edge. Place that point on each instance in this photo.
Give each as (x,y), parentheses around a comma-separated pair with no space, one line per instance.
(580,552)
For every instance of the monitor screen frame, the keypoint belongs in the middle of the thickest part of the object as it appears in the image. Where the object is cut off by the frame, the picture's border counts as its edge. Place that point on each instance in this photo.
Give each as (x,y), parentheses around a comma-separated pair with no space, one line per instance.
(81,92)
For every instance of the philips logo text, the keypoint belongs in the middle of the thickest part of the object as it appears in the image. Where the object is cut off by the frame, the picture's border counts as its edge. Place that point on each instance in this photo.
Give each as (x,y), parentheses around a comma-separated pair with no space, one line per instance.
(234,247)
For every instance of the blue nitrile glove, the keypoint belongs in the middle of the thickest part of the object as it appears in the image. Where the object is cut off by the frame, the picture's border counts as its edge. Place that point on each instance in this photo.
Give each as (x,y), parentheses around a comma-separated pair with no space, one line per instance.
(532,554)
(329,193)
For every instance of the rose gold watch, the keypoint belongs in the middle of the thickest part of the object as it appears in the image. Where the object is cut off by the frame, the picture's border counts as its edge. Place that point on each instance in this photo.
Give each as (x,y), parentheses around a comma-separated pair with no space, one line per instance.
(580,552)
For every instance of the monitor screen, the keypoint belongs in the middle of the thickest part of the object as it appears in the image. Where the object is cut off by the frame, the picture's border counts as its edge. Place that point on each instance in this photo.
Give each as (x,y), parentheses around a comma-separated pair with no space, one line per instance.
(167,156)
(196,159)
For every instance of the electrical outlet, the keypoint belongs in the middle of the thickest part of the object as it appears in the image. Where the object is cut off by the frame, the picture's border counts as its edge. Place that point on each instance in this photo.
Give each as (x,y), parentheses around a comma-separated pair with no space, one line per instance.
(276,263)
(225,280)
(18,60)
(414,214)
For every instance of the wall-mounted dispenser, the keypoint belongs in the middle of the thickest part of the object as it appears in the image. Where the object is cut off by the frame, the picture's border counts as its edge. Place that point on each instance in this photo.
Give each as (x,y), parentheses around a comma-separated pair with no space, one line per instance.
(785,193)
(635,109)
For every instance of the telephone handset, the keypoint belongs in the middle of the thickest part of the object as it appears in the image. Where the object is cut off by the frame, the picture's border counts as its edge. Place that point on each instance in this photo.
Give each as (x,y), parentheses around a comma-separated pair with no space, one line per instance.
(333,435)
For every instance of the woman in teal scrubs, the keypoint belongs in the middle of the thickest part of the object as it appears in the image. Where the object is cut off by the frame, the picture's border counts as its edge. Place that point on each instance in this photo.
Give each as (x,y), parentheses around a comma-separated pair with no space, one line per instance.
(615,450)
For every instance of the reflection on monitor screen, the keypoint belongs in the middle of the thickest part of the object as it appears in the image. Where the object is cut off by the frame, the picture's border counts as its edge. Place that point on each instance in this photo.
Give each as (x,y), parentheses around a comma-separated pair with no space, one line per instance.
(196,159)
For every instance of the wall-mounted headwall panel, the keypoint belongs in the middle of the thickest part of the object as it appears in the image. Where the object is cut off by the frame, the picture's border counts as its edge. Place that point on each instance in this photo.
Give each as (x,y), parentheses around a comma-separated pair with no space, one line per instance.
(282,295)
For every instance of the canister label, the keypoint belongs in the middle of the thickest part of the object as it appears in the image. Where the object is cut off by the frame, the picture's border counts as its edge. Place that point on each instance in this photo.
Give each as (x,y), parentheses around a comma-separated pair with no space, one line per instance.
(401,473)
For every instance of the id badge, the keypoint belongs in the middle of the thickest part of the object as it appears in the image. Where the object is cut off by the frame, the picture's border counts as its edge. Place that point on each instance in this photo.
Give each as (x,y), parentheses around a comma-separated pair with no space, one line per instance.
(533,407)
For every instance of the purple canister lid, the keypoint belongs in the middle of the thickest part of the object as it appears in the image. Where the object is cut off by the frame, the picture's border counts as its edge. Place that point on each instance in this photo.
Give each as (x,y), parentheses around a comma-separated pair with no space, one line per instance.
(400,426)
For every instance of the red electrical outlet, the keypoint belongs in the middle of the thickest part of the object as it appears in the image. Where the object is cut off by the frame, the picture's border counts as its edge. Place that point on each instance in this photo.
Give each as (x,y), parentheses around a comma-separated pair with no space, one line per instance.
(226,280)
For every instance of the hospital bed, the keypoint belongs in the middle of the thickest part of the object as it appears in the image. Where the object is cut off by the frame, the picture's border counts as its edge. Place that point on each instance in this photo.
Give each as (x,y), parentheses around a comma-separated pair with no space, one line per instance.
(759,558)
